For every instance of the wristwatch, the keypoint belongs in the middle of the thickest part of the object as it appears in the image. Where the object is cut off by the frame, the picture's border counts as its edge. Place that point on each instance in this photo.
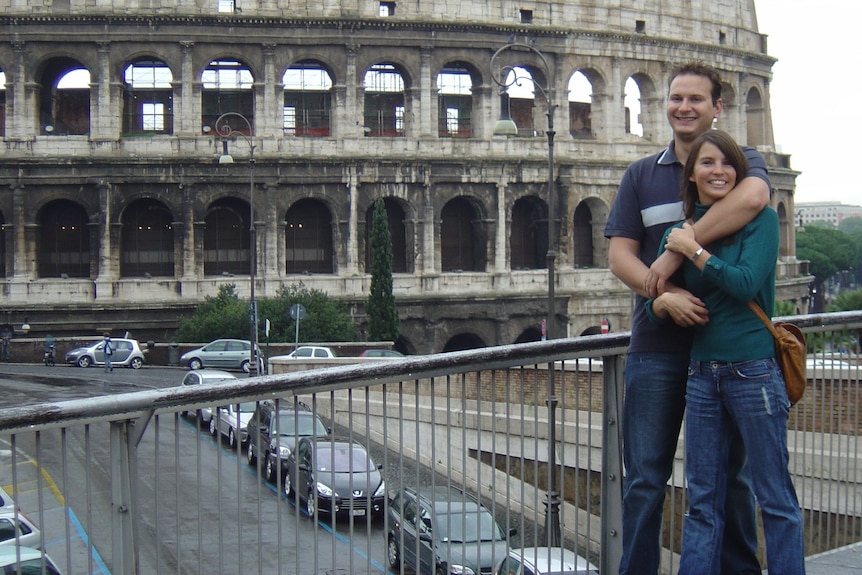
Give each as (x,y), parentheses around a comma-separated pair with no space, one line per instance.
(696,254)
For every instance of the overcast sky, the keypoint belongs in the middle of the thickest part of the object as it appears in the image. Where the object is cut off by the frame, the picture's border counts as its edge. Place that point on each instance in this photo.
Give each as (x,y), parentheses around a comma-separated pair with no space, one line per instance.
(815,93)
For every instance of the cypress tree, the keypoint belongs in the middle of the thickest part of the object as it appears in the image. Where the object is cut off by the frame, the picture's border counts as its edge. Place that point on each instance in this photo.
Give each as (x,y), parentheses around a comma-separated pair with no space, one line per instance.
(380,306)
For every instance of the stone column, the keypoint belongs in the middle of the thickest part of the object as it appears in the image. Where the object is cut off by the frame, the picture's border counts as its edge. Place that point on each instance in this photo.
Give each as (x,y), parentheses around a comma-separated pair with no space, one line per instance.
(103,116)
(106,272)
(352,222)
(266,116)
(24,252)
(21,100)
(187,118)
(500,259)
(426,119)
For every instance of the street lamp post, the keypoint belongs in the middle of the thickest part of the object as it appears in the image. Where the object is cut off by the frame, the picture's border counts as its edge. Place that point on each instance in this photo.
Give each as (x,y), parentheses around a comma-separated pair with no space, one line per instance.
(506,126)
(224,129)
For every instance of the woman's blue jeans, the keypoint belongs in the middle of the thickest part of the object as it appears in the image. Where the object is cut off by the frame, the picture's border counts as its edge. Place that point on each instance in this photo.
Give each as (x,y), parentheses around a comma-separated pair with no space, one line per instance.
(652,417)
(749,397)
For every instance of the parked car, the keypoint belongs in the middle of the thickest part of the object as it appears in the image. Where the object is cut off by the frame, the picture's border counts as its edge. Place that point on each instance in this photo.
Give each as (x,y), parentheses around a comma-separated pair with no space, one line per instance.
(232,420)
(452,530)
(205,376)
(31,561)
(223,354)
(334,475)
(274,429)
(544,561)
(381,353)
(18,523)
(7,504)
(308,352)
(127,353)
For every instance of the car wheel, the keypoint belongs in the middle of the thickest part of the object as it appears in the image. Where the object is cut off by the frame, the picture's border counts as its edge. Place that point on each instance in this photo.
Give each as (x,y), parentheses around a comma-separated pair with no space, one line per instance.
(310,502)
(84,361)
(195,363)
(249,454)
(136,363)
(269,470)
(213,427)
(244,366)
(288,486)
(231,438)
(393,555)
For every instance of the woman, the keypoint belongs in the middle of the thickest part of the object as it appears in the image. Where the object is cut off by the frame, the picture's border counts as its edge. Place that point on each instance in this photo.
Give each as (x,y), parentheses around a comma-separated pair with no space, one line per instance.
(733,378)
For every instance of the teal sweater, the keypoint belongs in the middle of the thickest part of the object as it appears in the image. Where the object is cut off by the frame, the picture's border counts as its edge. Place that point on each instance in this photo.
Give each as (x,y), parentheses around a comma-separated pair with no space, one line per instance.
(735,273)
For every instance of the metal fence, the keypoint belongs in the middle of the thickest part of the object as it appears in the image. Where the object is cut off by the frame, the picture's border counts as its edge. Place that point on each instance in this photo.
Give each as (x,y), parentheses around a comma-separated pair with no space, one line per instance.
(133,483)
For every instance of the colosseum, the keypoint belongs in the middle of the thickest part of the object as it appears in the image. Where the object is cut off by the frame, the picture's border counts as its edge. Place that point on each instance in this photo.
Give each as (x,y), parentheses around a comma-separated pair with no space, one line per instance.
(119,211)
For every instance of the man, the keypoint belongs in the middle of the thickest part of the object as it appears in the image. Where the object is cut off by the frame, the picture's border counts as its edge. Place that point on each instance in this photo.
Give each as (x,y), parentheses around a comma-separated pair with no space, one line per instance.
(109,351)
(648,202)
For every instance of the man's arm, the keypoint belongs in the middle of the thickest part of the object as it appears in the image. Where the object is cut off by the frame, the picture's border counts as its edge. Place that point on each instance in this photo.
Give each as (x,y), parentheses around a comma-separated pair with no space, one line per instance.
(684,309)
(727,216)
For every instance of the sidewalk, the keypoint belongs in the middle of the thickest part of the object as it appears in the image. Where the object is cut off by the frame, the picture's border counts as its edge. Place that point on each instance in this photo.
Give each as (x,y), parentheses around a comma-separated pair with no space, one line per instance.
(843,561)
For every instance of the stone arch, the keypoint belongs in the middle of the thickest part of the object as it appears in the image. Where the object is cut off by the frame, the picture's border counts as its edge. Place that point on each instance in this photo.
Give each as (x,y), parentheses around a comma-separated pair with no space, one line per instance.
(227,85)
(397,219)
(146,239)
(589,246)
(528,236)
(148,99)
(787,234)
(309,238)
(463,238)
(308,98)
(226,238)
(456,99)
(755,118)
(530,333)
(63,109)
(464,341)
(63,240)
(386,105)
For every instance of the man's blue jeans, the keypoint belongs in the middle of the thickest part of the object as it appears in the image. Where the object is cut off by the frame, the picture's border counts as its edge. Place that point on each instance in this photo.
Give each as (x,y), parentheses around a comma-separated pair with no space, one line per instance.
(652,417)
(748,396)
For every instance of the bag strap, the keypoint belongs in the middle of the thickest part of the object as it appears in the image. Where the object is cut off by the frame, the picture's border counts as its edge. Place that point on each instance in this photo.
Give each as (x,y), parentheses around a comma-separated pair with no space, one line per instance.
(762,315)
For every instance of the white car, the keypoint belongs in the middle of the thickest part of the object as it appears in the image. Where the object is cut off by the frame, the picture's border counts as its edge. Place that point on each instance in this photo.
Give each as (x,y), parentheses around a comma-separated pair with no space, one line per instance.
(232,420)
(7,504)
(309,352)
(205,376)
(828,368)
(31,561)
(12,524)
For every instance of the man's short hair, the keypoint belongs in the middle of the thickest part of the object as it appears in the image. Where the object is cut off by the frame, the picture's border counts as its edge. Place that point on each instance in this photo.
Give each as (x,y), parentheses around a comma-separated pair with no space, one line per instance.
(699,69)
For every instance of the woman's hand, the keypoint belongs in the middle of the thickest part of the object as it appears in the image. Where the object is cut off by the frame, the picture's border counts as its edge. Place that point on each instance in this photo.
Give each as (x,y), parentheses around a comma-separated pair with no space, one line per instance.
(682,241)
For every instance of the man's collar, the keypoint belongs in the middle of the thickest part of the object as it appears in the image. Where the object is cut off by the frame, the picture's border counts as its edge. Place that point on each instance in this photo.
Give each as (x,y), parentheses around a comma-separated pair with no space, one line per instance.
(668,157)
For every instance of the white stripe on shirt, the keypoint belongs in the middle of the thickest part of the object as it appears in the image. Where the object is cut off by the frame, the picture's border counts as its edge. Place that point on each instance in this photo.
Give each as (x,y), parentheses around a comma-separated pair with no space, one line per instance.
(662,214)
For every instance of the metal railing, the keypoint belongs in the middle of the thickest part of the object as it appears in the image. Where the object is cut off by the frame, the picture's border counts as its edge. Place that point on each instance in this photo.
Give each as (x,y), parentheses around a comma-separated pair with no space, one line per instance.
(128,484)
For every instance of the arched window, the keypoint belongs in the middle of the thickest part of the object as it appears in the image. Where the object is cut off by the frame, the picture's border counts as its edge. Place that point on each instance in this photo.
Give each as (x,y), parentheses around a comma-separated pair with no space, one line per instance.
(384,101)
(580,106)
(63,243)
(148,99)
(227,86)
(462,244)
(454,102)
(64,98)
(147,240)
(582,237)
(308,238)
(226,238)
(529,238)
(633,108)
(307,100)
(2,103)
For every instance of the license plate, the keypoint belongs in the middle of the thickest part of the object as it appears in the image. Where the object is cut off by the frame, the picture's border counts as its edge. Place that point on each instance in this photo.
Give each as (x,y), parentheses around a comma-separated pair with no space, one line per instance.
(357,512)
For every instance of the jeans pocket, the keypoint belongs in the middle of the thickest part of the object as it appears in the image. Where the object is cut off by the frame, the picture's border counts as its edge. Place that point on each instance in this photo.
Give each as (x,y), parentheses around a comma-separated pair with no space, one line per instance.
(752,370)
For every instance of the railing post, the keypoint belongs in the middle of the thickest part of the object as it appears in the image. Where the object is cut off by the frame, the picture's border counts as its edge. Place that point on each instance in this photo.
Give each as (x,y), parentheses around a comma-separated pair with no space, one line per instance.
(123,462)
(612,464)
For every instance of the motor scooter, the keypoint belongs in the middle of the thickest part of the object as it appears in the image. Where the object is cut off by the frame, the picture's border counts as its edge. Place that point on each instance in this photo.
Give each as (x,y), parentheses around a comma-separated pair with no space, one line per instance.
(48,354)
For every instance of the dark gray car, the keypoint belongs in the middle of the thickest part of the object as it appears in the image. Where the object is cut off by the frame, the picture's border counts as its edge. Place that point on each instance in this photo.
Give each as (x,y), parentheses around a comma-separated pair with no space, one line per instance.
(451,531)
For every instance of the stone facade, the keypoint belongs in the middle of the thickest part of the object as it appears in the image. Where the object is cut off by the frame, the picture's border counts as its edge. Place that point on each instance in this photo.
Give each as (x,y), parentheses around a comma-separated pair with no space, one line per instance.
(79,150)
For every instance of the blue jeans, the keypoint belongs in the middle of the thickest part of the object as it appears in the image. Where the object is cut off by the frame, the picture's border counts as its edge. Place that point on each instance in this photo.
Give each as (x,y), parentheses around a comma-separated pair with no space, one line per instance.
(652,417)
(748,396)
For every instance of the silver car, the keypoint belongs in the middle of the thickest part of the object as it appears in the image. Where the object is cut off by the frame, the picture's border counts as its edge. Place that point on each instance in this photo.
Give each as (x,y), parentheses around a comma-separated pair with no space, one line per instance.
(23,559)
(232,420)
(127,353)
(222,354)
(544,560)
(205,376)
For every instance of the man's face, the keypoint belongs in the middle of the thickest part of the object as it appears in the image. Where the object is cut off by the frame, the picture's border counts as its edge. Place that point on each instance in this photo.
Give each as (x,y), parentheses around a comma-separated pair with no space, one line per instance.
(690,109)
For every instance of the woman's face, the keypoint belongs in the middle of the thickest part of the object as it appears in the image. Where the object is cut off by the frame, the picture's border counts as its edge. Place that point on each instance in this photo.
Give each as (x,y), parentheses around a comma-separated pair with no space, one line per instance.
(713,175)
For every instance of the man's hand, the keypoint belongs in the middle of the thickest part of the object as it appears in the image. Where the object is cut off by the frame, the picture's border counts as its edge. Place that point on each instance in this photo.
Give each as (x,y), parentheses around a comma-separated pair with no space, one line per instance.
(683,308)
(682,241)
(659,273)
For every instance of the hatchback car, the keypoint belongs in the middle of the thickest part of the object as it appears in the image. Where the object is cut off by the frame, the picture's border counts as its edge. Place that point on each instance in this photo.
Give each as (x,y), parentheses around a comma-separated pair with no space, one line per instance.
(452,531)
(18,524)
(309,352)
(232,420)
(544,561)
(127,353)
(205,376)
(381,353)
(336,476)
(31,561)
(223,354)
(273,431)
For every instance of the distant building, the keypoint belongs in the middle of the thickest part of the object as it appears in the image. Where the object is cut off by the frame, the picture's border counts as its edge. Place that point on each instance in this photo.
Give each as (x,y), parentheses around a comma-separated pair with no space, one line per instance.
(832,212)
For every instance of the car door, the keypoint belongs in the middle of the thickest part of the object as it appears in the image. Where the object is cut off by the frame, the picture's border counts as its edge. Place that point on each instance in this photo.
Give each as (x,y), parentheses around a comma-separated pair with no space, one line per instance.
(408,530)
(122,351)
(425,529)
(213,355)
(235,354)
(304,468)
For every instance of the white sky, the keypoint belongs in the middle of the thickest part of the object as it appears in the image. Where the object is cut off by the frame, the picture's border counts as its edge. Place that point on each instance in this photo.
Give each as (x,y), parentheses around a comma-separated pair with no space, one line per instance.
(815,92)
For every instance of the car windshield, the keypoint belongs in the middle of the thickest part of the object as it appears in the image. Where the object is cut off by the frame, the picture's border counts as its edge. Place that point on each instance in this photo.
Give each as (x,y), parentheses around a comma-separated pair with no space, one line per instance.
(343,459)
(468,527)
(303,426)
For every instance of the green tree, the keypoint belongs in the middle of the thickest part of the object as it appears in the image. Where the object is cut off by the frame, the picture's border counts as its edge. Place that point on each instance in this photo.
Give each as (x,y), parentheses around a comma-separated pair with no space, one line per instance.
(380,305)
(851,226)
(326,319)
(828,250)
(847,301)
(222,315)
